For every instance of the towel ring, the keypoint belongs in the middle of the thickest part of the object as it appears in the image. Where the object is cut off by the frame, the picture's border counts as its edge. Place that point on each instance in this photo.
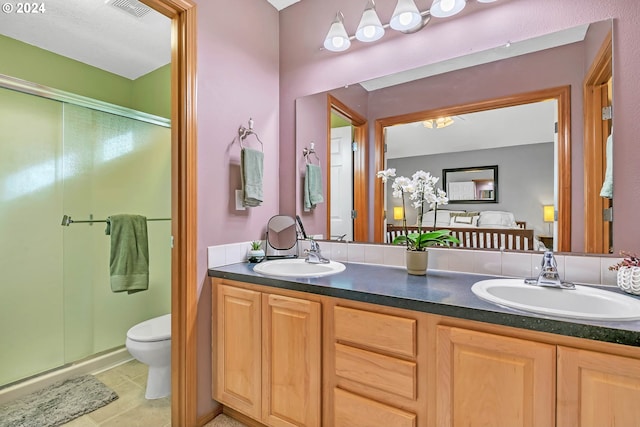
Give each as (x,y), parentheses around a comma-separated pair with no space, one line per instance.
(307,151)
(244,132)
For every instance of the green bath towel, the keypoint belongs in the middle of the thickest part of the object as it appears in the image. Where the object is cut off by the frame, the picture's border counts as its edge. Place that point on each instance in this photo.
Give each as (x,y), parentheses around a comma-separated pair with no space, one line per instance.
(251,168)
(313,187)
(129,261)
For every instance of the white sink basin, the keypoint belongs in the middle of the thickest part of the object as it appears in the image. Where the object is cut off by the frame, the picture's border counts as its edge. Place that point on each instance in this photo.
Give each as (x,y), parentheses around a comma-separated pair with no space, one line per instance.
(583,302)
(297,267)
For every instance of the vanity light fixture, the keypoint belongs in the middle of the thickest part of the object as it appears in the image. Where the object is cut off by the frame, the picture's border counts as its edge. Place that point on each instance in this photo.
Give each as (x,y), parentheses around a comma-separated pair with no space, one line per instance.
(406,18)
(439,123)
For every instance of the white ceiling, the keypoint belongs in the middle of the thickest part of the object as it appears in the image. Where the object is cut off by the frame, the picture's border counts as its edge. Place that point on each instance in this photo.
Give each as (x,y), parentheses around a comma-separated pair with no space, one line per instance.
(281,4)
(95,33)
(503,127)
(98,34)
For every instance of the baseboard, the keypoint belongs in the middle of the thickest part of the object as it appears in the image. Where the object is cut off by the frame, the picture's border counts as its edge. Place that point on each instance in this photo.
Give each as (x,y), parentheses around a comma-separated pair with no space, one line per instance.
(204,419)
(238,416)
(86,366)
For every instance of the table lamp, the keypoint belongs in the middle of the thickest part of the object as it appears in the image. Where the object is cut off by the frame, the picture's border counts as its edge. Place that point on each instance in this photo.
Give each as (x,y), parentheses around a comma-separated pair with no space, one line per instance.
(398,213)
(549,215)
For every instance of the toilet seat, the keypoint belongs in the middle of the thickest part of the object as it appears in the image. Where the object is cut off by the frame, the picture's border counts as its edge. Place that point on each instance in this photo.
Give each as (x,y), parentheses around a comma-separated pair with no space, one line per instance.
(156,329)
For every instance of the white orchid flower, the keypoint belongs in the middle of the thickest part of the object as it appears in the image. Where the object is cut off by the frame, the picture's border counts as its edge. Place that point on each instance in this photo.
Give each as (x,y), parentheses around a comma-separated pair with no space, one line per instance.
(386,174)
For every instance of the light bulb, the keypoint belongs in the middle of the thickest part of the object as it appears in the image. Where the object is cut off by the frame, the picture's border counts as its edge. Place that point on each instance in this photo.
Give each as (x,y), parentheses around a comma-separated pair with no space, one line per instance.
(405,18)
(369,31)
(446,8)
(337,42)
(447,5)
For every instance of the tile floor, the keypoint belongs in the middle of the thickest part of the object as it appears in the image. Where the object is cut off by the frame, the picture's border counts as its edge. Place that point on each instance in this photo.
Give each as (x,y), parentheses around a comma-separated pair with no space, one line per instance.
(131,409)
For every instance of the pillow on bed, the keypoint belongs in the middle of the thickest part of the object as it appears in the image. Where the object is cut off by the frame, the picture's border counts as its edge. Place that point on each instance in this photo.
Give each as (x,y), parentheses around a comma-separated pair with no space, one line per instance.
(465,219)
(443,218)
(496,219)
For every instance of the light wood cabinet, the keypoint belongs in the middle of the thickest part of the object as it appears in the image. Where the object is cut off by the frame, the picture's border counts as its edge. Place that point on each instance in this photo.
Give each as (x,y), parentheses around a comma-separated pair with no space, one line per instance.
(381,366)
(597,390)
(291,362)
(237,335)
(491,380)
(267,362)
(375,367)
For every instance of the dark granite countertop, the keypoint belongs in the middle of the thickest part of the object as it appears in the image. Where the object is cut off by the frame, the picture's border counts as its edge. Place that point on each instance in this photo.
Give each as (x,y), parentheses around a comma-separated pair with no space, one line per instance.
(440,292)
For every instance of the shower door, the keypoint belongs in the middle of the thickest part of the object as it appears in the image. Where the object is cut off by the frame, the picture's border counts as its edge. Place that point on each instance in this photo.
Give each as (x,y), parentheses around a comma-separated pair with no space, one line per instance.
(31,288)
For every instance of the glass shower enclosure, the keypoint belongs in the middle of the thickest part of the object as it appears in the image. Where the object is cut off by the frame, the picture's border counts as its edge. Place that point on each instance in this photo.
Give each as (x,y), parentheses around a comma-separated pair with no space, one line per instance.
(88,161)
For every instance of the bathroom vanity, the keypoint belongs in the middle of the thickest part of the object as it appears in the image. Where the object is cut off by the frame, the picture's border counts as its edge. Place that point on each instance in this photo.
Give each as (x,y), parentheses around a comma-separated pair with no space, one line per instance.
(373,346)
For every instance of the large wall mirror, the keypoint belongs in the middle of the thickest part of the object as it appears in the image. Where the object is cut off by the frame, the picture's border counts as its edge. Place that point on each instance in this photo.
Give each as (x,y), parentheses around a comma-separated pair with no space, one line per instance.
(522,107)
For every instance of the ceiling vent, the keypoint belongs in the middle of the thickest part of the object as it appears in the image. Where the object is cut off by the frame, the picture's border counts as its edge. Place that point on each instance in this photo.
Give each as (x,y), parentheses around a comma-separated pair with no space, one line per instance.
(132,7)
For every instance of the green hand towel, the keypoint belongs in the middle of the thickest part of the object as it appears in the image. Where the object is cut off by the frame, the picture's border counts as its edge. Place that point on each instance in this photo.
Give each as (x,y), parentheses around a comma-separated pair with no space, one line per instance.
(313,186)
(129,260)
(251,168)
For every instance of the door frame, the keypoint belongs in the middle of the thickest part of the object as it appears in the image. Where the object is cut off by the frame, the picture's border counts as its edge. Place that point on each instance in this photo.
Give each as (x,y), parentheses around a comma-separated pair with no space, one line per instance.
(184,265)
(561,94)
(360,167)
(596,235)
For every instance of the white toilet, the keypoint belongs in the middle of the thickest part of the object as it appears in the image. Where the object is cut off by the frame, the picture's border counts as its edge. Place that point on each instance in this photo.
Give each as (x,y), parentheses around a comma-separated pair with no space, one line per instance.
(150,343)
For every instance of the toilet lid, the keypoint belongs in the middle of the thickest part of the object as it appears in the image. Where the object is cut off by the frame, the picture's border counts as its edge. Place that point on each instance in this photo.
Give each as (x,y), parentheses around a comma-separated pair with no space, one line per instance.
(156,329)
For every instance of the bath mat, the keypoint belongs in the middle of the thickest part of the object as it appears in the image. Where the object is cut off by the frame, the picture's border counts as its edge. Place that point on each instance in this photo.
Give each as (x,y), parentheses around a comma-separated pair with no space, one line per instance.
(57,404)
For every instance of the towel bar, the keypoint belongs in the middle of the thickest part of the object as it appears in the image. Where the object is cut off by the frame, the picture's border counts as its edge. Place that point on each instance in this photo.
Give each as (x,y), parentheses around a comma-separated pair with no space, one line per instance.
(67,221)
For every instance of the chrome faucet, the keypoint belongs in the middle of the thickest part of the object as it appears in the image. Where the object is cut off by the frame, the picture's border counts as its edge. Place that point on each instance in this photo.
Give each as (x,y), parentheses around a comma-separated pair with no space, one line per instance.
(549,273)
(313,255)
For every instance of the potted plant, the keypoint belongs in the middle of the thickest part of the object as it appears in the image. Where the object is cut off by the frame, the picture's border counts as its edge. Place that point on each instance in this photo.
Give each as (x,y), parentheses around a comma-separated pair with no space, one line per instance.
(422,191)
(256,253)
(628,273)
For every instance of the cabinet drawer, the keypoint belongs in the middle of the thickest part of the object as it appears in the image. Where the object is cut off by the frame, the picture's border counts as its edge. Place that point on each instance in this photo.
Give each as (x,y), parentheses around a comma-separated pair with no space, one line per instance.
(356,411)
(383,332)
(375,370)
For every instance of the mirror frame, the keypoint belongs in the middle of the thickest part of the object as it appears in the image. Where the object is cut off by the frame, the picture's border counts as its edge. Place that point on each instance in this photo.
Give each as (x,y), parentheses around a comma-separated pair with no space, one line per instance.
(561,94)
(494,169)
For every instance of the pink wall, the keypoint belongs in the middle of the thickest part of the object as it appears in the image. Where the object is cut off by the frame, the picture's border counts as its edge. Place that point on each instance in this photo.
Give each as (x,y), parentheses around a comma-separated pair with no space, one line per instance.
(237,79)
(304,69)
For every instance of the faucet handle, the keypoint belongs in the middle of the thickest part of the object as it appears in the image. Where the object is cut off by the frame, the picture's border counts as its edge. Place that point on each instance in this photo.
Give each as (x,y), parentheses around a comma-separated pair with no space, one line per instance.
(549,260)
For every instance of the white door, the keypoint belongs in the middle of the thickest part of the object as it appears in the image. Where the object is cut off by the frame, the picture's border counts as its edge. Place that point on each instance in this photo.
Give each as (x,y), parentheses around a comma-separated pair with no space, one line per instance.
(341,184)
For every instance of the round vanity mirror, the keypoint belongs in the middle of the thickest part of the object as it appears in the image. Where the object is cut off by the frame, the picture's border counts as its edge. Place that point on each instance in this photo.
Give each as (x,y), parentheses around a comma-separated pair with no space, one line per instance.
(281,232)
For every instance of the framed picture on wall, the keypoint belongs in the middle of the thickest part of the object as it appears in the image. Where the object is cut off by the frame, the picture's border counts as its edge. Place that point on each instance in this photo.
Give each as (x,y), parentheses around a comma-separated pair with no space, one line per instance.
(477,184)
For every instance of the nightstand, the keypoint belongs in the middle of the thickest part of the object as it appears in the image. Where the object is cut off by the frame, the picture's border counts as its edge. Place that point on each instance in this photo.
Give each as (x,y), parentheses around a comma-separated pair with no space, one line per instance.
(546,240)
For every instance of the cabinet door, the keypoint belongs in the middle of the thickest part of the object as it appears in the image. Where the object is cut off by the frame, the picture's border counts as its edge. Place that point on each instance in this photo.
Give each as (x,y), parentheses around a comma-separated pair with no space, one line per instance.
(237,335)
(291,369)
(597,390)
(490,380)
